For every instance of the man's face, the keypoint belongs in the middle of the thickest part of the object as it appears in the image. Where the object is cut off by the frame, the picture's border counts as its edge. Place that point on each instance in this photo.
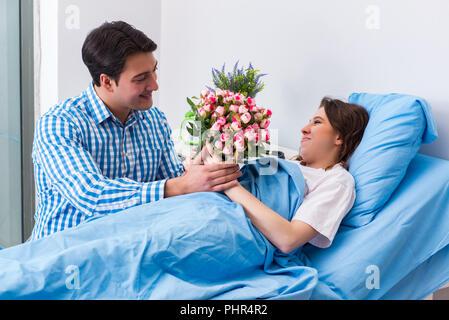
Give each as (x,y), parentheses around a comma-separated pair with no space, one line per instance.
(137,82)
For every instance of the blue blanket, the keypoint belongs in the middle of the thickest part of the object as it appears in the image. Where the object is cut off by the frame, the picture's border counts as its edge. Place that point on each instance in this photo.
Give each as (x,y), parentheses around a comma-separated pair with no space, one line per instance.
(197,246)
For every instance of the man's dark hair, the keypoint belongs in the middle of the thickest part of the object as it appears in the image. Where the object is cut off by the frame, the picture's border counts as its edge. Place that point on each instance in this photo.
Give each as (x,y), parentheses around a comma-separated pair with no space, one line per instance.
(107,47)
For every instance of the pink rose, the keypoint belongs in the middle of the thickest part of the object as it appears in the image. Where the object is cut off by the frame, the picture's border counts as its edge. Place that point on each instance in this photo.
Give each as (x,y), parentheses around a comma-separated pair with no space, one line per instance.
(243,109)
(220,110)
(250,135)
(250,101)
(246,118)
(212,99)
(267,112)
(216,126)
(240,145)
(255,126)
(229,98)
(239,98)
(226,127)
(236,126)
(221,120)
(202,112)
(264,135)
(220,93)
(227,150)
(208,107)
(214,115)
(225,137)
(218,145)
(254,109)
(265,124)
(258,116)
(234,108)
(239,136)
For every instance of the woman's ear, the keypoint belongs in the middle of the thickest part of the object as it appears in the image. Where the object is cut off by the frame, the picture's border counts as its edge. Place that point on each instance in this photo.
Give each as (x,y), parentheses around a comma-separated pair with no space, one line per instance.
(338,141)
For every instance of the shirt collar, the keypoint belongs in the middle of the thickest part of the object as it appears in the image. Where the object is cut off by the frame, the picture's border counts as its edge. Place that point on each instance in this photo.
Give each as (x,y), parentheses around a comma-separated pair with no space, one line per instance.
(134,116)
(99,110)
(96,106)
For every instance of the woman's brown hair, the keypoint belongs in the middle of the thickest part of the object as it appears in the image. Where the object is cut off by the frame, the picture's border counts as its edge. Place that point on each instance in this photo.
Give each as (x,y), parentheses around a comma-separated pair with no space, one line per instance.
(349,121)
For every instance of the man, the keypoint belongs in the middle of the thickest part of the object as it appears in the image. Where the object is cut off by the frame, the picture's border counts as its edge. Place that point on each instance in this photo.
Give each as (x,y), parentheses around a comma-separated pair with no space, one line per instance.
(107,149)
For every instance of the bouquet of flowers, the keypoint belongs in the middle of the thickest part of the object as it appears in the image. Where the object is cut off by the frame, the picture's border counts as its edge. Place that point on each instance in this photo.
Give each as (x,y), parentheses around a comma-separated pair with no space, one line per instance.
(228,116)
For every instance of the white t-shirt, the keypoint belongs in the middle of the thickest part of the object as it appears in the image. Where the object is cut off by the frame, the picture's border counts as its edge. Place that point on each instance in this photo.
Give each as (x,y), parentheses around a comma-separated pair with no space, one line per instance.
(328,197)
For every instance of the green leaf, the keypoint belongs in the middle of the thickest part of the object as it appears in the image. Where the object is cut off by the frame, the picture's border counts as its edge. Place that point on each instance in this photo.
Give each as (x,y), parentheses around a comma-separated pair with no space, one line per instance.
(189,114)
(192,105)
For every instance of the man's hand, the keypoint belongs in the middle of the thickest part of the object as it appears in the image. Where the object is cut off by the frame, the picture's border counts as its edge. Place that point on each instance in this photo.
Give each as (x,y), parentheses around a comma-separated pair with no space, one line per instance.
(204,174)
(211,177)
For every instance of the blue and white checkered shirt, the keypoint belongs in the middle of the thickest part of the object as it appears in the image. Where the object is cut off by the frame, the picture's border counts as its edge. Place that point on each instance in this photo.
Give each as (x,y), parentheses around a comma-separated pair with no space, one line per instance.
(88,164)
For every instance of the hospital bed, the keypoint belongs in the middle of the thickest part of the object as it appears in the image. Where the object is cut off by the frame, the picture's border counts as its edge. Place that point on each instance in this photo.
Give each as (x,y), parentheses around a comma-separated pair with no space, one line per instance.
(402,254)
(407,244)
(400,250)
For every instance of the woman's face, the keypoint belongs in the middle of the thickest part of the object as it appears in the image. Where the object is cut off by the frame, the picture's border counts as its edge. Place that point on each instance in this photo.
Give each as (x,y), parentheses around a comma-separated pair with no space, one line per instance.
(320,143)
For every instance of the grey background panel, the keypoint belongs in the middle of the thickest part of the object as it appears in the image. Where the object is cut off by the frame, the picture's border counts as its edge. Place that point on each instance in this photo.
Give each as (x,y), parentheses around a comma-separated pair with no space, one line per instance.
(77,18)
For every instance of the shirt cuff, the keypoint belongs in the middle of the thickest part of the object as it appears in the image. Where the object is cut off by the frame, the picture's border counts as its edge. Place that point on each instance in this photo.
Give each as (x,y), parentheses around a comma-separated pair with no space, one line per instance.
(153,191)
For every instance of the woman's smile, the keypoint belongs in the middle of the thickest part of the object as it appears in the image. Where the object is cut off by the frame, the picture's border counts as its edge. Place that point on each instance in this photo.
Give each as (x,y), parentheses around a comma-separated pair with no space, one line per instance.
(304,139)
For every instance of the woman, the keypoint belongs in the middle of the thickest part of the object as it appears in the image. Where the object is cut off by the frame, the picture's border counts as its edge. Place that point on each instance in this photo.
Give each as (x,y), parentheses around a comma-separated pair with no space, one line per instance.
(328,141)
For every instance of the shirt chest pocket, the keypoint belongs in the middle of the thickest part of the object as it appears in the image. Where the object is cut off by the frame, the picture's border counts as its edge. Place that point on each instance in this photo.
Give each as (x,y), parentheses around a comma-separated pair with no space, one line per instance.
(141,154)
(148,160)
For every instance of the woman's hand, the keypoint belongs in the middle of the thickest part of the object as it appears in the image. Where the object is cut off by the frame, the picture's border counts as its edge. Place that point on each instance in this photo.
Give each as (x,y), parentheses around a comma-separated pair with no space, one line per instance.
(197,160)
(209,158)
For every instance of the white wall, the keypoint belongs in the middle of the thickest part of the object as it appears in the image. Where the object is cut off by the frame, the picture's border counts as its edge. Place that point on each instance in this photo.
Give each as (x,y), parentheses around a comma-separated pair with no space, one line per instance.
(46,54)
(309,49)
(64,25)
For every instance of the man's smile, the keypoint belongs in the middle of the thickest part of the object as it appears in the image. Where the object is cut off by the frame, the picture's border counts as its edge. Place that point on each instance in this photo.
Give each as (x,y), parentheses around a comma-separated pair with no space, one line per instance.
(146,96)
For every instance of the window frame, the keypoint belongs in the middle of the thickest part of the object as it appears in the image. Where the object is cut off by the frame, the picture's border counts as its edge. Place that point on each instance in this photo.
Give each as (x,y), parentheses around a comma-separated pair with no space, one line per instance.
(27,110)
